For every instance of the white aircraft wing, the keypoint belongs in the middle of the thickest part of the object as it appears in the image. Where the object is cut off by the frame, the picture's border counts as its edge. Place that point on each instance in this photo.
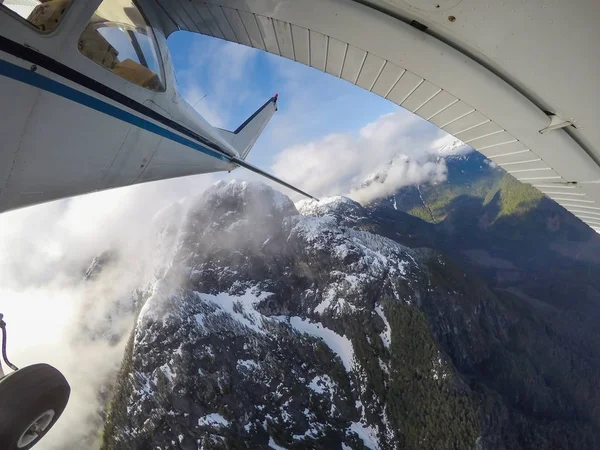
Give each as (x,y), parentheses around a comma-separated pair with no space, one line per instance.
(514,80)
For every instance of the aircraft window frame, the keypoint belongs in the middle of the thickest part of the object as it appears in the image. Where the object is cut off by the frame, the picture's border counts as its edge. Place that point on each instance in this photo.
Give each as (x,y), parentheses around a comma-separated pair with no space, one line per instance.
(140,50)
(6,9)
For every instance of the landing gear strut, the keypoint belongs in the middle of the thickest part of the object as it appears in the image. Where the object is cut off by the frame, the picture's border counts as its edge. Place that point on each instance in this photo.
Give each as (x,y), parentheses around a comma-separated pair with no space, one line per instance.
(31,401)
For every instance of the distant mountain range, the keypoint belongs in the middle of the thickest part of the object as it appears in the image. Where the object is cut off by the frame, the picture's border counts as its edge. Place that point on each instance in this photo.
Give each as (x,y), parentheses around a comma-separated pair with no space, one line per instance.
(506,231)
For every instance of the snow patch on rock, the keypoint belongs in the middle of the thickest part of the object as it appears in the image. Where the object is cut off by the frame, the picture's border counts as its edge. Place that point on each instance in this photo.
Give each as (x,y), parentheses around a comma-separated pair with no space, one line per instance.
(321,384)
(386,334)
(340,345)
(274,446)
(368,434)
(239,307)
(213,420)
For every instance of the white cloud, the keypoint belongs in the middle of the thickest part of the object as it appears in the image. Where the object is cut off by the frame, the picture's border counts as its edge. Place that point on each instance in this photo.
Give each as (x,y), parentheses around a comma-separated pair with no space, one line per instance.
(45,324)
(337,164)
(44,251)
(402,172)
(448,145)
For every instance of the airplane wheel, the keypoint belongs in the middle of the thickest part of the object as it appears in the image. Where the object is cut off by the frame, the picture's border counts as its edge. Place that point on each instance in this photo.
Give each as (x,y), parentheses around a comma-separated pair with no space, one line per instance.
(31,401)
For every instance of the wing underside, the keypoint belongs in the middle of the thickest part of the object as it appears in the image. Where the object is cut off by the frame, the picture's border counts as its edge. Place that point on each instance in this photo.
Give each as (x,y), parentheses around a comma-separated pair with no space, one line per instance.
(499,118)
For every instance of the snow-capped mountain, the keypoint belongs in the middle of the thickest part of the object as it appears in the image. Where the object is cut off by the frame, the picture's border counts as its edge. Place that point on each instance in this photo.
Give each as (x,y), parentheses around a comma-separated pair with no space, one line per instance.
(452,162)
(271,327)
(453,146)
(274,326)
(448,163)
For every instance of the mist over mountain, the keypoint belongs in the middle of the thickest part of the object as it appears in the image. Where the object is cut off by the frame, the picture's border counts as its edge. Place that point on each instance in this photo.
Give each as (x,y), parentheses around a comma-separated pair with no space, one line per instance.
(330,325)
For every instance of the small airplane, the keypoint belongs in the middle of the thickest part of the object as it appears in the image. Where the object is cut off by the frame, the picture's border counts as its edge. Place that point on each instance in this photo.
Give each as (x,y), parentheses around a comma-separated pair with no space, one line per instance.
(90,102)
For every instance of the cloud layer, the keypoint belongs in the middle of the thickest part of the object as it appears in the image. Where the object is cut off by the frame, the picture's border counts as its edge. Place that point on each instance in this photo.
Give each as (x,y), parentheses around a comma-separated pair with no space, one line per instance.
(399,144)
(401,172)
(55,317)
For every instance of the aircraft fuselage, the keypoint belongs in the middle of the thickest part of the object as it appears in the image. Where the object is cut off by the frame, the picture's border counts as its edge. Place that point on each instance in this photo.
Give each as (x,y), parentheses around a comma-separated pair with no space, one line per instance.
(71,125)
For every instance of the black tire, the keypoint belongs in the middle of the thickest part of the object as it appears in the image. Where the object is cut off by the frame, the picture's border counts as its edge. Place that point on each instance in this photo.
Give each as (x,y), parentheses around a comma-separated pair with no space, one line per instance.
(26,395)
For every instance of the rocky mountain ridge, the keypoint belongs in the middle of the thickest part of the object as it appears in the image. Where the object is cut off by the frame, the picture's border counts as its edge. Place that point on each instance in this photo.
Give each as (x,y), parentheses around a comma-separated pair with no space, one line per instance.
(267,328)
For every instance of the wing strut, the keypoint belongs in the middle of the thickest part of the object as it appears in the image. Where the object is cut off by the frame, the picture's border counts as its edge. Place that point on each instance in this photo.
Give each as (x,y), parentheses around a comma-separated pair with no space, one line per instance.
(246,165)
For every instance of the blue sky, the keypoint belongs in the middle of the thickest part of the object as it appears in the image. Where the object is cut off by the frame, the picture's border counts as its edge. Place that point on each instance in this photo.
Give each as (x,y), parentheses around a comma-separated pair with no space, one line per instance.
(316,103)
(328,135)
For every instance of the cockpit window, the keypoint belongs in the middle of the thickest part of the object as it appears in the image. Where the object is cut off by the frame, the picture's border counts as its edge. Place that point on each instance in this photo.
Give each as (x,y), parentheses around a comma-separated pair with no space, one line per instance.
(119,38)
(45,15)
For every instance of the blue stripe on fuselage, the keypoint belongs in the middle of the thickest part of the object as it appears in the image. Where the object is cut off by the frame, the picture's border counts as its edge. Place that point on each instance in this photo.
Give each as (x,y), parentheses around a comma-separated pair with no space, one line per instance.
(35,79)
